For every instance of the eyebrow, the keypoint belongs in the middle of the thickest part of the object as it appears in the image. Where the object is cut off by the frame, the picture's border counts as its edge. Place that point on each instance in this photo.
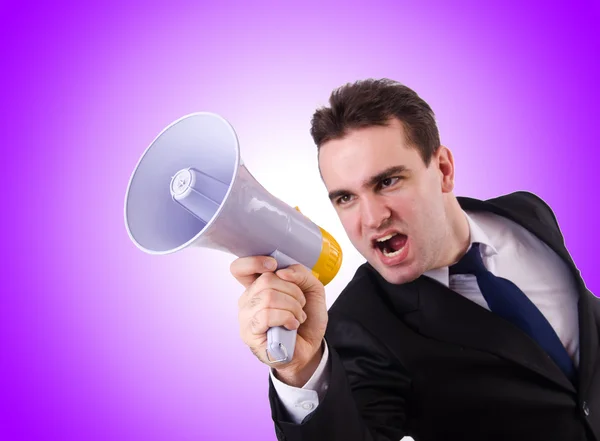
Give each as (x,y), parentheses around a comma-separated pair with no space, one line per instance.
(370,182)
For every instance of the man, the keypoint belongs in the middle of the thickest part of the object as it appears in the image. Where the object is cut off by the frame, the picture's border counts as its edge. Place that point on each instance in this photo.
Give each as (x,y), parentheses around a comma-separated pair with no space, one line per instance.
(469,320)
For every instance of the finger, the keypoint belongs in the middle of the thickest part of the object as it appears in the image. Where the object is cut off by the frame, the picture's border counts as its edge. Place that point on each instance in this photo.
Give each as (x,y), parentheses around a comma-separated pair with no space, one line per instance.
(270,281)
(271,299)
(300,276)
(265,319)
(247,269)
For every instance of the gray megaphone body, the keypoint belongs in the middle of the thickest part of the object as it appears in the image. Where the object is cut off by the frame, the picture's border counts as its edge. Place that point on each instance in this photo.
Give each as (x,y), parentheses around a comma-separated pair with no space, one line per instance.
(191,188)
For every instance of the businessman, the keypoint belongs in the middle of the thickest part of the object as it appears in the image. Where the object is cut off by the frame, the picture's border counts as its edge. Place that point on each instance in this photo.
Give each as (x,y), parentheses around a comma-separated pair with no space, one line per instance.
(468,321)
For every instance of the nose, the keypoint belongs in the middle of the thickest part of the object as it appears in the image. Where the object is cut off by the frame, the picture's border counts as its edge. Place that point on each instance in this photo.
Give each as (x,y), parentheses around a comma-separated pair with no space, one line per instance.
(374,212)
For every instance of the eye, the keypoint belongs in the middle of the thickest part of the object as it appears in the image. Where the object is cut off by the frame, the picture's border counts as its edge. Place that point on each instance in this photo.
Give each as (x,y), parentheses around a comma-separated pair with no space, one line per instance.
(344,199)
(388,182)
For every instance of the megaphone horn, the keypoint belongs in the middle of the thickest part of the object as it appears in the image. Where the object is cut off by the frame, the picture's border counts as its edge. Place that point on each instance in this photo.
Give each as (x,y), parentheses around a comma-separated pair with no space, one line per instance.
(191,188)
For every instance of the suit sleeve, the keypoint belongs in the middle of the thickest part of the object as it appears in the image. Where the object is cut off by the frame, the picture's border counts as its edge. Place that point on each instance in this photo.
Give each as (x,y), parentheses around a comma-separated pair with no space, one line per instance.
(366,396)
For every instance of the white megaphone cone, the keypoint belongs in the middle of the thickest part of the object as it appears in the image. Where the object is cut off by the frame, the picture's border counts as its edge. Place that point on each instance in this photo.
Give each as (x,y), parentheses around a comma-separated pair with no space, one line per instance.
(190,188)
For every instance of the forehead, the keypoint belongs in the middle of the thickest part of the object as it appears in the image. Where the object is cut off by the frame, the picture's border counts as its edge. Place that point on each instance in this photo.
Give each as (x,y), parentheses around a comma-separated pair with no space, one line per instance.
(364,152)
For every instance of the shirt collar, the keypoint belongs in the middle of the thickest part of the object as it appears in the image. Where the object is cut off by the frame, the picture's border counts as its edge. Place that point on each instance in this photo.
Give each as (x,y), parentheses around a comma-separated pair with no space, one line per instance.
(476,234)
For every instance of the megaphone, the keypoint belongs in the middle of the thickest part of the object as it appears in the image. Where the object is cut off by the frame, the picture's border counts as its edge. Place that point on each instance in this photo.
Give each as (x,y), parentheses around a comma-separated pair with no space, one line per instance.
(190,188)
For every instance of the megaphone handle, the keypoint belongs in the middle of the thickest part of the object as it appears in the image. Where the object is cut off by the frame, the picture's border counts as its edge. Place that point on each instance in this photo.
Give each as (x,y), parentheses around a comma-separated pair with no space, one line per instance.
(280,344)
(281,341)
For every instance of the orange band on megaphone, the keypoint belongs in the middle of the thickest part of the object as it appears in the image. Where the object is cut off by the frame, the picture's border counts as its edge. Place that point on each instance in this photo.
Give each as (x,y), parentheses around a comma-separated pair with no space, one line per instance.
(330,259)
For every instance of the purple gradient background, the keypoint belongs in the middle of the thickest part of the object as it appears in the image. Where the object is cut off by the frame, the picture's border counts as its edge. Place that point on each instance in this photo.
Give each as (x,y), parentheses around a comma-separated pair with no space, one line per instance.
(99,341)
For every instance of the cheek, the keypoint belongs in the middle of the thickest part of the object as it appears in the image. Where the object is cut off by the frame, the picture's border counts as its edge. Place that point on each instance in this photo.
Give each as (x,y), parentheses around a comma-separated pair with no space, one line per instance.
(350,220)
(414,202)
(404,206)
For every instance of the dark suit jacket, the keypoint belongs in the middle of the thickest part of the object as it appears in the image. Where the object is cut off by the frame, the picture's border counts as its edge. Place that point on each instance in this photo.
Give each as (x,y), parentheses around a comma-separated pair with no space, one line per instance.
(420,360)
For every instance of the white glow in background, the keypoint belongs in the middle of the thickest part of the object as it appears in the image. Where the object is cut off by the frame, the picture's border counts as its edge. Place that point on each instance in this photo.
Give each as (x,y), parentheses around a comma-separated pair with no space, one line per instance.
(104,342)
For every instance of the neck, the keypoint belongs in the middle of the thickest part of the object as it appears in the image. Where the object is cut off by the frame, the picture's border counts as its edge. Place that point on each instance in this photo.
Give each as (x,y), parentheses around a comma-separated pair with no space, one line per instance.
(458,236)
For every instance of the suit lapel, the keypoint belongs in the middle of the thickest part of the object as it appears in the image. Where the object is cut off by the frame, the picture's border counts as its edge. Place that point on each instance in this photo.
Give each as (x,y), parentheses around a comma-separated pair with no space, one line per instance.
(437,312)
(528,211)
(521,208)
(448,316)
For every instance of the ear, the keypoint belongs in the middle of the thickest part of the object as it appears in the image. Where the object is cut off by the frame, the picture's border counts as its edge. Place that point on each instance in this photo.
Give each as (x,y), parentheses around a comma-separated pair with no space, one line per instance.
(445,163)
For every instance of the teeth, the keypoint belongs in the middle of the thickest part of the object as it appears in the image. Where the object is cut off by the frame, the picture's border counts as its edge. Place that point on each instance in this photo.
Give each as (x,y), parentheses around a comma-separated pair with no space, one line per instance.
(388,237)
(395,253)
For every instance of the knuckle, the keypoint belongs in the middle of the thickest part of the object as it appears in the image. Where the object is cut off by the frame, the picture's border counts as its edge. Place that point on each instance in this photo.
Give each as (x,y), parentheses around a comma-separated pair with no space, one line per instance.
(254,323)
(263,317)
(299,294)
(254,301)
(296,267)
(262,282)
(305,278)
(269,297)
(290,319)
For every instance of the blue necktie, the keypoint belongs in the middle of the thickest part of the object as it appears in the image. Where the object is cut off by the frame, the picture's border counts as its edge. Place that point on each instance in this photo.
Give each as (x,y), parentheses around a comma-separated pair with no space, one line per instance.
(506,300)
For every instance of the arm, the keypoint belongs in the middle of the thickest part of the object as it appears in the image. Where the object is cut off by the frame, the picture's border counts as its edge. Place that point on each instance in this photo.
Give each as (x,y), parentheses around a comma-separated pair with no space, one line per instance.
(366,395)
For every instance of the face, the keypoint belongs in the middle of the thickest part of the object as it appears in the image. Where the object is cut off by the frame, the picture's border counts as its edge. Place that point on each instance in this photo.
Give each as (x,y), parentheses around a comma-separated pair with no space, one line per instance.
(392,206)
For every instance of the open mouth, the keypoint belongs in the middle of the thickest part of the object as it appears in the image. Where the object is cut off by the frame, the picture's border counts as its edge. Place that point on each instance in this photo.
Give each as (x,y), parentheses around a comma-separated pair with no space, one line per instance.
(392,244)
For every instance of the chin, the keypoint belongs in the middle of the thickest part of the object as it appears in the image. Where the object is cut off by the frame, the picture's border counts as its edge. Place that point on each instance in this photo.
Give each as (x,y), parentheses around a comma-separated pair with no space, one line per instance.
(398,275)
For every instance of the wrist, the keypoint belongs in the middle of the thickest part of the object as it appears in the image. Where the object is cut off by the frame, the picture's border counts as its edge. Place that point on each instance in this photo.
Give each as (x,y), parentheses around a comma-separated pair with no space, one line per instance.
(298,376)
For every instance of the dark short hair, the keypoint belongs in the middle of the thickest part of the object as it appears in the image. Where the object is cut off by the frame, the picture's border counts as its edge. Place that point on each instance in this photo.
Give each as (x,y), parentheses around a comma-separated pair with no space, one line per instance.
(374,102)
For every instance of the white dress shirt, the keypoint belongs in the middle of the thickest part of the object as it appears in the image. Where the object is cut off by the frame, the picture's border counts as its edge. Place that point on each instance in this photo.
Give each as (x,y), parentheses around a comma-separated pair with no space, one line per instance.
(508,250)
